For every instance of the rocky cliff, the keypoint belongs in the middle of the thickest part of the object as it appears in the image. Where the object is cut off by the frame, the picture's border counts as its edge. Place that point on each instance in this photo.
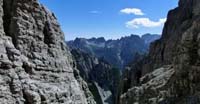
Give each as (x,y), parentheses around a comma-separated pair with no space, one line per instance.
(170,73)
(102,78)
(118,52)
(35,65)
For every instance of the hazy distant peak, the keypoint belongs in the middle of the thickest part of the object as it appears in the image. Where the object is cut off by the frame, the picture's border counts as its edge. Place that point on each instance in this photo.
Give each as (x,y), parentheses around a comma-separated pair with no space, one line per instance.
(148,38)
(118,52)
(100,39)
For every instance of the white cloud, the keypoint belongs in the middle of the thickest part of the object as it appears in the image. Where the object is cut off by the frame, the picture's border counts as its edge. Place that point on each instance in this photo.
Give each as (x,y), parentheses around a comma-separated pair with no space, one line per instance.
(134,11)
(94,12)
(144,22)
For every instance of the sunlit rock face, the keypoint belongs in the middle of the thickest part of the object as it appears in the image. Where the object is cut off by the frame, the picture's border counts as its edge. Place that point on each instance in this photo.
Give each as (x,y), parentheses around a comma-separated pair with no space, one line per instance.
(35,65)
(179,48)
(152,90)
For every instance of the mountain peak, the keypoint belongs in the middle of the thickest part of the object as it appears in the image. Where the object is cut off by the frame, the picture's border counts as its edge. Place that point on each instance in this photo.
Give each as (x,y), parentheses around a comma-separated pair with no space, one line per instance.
(99,40)
(117,52)
(148,38)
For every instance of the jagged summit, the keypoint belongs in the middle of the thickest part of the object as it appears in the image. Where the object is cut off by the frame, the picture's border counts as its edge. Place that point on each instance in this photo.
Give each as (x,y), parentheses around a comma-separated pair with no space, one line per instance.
(118,52)
(98,40)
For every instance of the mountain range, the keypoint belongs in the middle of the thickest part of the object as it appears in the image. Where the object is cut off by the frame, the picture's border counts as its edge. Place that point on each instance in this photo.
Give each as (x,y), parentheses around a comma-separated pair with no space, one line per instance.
(37,66)
(118,52)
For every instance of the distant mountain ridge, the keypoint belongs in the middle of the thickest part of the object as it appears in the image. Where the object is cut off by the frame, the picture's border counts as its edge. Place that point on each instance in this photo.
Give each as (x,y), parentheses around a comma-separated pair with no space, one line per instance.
(119,52)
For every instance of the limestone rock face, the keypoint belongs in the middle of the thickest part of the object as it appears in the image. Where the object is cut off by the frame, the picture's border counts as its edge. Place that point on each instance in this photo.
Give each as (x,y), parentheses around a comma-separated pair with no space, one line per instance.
(35,65)
(178,47)
(152,89)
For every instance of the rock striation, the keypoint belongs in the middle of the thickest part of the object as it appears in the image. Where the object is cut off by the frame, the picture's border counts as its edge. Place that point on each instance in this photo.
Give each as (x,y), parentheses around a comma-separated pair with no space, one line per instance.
(179,49)
(35,65)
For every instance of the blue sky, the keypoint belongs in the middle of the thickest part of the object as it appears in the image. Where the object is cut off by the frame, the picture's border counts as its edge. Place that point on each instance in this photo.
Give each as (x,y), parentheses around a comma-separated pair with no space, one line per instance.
(109,18)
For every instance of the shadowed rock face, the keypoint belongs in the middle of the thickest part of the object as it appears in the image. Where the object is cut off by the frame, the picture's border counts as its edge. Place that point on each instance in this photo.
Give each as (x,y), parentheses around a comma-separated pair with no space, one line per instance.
(179,48)
(35,65)
(102,78)
(179,22)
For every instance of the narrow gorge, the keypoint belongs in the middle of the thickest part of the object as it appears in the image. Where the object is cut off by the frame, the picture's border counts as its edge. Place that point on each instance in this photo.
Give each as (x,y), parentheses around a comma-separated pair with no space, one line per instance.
(38,67)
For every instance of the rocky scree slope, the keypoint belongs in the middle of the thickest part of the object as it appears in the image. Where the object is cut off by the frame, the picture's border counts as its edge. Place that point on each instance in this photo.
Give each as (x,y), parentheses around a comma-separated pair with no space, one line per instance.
(35,65)
(170,73)
(102,78)
(118,52)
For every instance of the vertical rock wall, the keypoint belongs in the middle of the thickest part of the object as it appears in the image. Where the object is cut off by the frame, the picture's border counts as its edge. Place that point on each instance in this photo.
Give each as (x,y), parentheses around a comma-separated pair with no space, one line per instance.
(35,65)
(179,49)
